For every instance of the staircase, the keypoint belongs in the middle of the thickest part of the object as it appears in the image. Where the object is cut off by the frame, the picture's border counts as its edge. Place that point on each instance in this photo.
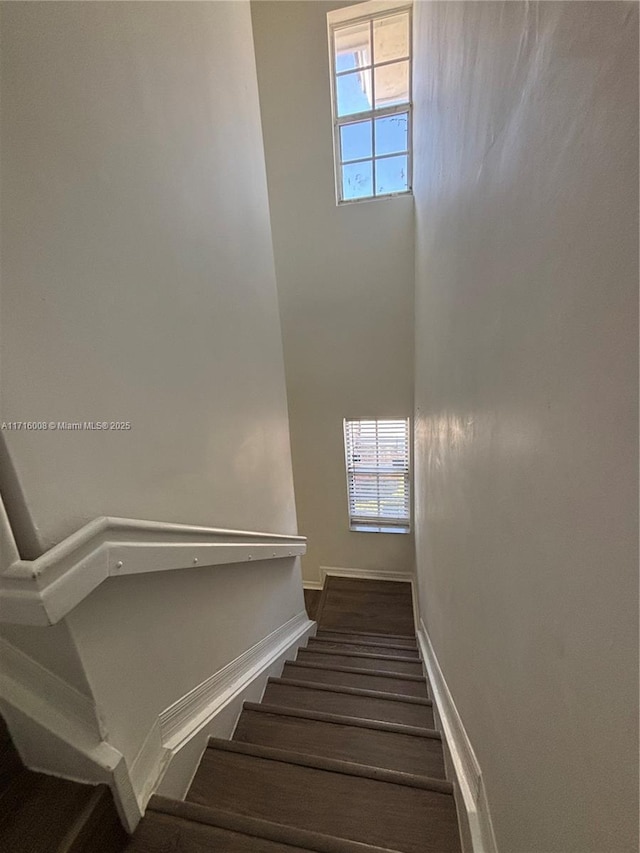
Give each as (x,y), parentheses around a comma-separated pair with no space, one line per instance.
(341,755)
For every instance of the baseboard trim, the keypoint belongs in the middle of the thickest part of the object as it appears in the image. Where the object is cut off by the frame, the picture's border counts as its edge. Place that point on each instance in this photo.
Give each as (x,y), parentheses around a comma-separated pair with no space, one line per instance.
(466,766)
(180,721)
(312,584)
(44,712)
(364,574)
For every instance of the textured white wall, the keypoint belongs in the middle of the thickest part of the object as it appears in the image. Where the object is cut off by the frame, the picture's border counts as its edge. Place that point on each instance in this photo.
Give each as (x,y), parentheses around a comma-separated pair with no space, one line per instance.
(138,279)
(526,404)
(345,283)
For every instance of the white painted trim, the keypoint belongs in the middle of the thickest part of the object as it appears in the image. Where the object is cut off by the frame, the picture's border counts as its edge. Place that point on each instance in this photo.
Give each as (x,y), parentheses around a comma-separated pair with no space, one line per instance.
(29,685)
(365,574)
(311,584)
(466,765)
(48,710)
(188,715)
(366,10)
(8,549)
(43,591)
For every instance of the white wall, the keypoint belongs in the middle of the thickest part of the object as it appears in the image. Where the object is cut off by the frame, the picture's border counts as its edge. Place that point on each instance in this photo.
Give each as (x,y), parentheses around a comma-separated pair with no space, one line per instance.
(146,641)
(345,284)
(139,285)
(138,279)
(526,404)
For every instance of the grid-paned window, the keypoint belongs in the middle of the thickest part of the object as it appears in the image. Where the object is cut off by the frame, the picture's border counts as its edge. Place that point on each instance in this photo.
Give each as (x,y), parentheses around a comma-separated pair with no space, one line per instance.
(370,56)
(378,484)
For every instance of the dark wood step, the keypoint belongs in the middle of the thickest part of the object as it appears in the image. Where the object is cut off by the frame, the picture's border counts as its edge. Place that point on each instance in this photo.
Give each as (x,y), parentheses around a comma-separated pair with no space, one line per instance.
(10,765)
(182,827)
(408,813)
(392,747)
(371,642)
(374,635)
(351,701)
(5,737)
(97,827)
(353,677)
(352,604)
(361,660)
(320,644)
(36,812)
(311,601)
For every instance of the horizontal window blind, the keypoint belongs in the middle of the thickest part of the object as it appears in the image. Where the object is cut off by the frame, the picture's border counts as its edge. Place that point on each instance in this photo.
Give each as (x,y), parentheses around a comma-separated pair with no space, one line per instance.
(377,460)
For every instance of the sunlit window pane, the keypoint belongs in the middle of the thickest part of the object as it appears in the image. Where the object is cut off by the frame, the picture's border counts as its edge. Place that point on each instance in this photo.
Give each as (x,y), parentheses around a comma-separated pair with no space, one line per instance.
(355,141)
(392,175)
(392,134)
(392,84)
(391,38)
(352,47)
(357,180)
(353,93)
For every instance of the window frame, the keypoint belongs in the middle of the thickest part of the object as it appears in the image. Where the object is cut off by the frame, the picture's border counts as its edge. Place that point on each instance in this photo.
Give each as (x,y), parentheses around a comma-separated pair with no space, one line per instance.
(346,17)
(379,524)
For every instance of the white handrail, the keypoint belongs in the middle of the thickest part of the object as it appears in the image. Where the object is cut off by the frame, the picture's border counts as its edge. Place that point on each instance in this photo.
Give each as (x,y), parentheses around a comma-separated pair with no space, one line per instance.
(44,590)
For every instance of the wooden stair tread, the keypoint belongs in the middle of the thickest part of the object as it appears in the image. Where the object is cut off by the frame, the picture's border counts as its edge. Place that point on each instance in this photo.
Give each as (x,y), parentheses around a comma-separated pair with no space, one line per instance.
(343,720)
(324,796)
(407,749)
(370,646)
(36,812)
(208,828)
(10,765)
(360,660)
(366,606)
(390,682)
(329,765)
(363,634)
(97,827)
(371,704)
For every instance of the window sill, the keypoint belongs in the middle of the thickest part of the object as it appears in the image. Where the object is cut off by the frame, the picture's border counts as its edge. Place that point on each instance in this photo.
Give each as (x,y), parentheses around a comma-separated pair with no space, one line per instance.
(373,528)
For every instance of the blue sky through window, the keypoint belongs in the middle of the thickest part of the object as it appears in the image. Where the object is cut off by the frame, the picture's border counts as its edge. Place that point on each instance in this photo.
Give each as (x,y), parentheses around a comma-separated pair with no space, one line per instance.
(378,144)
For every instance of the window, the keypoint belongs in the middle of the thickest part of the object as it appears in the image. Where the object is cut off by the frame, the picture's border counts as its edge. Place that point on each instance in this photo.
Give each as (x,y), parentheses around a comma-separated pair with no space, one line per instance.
(377,460)
(370,55)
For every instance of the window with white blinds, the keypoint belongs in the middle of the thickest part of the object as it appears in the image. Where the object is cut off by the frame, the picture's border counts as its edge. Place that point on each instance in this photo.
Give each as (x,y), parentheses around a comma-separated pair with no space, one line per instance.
(378,484)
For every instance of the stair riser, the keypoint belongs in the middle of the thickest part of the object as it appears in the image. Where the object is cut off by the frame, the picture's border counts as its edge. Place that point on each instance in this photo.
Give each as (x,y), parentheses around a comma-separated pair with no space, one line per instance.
(414,820)
(336,646)
(342,703)
(375,663)
(389,750)
(355,679)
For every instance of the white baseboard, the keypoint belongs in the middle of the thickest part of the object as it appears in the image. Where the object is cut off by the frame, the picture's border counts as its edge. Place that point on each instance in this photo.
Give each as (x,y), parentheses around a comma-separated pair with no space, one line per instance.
(181,721)
(365,574)
(311,584)
(466,767)
(57,730)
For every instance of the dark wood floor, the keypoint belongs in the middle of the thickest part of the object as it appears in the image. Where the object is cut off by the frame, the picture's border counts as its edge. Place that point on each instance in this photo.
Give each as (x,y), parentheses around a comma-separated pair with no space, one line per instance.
(44,814)
(311,601)
(381,607)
